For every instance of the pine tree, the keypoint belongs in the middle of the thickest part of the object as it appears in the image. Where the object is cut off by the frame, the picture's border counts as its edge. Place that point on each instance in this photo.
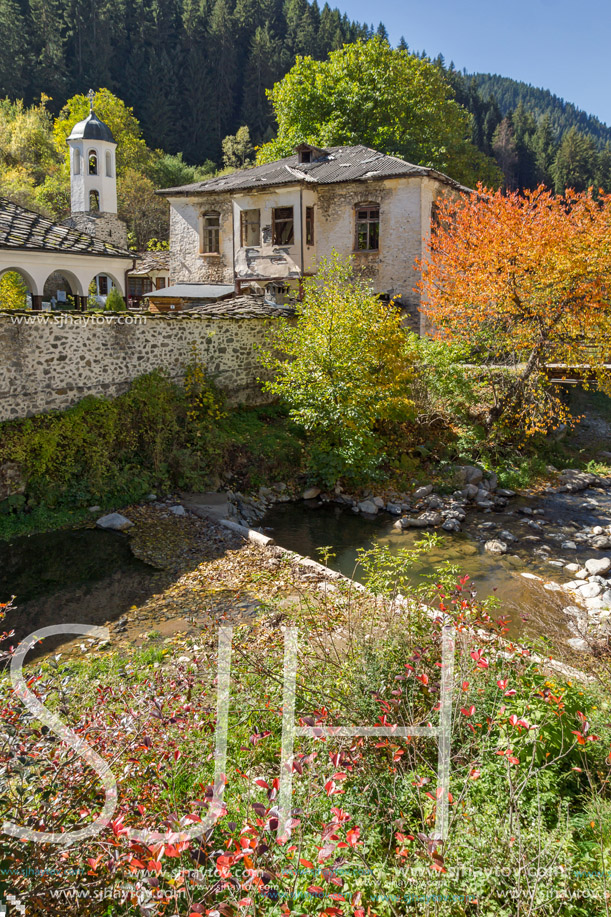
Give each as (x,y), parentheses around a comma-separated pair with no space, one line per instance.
(545,148)
(575,162)
(14,52)
(260,74)
(602,177)
(505,152)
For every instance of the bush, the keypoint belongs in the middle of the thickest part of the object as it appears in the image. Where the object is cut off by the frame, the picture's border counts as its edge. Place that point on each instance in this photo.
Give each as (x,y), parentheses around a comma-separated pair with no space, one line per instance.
(346,366)
(114,301)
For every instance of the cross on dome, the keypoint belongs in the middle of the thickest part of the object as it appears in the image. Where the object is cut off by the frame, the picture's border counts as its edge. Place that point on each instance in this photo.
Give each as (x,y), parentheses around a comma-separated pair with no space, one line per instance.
(91,95)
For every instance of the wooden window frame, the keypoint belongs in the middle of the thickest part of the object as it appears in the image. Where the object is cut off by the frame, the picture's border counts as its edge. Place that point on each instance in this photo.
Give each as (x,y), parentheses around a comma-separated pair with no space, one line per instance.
(210,240)
(370,222)
(245,222)
(279,224)
(309,226)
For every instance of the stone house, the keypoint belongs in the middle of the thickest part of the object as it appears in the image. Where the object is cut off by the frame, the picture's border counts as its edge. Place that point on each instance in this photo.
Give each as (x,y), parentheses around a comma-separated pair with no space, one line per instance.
(264,228)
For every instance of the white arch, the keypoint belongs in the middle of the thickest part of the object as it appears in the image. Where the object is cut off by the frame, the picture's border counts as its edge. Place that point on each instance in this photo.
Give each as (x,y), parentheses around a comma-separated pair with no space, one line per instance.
(75,284)
(117,283)
(27,278)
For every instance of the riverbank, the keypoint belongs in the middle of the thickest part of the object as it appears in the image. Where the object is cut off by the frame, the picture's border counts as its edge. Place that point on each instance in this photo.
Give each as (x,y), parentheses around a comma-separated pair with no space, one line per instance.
(363,810)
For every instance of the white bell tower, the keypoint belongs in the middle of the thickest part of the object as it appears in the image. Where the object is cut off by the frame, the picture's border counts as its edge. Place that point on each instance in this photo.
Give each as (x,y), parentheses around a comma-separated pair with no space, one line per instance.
(93,180)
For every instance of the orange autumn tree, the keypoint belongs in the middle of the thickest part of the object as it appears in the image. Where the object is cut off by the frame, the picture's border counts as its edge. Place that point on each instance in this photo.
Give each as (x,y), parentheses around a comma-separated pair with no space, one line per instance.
(525,280)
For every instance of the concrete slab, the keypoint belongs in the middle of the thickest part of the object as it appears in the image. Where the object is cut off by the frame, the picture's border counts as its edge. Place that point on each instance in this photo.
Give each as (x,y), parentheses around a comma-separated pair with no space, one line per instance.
(206,505)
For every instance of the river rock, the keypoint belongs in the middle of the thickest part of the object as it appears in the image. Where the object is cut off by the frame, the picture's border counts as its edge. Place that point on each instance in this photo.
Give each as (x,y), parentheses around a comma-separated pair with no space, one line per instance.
(368,506)
(601,542)
(469,474)
(589,590)
(434,502)
(598,566)
(399,525)
(578,643)
(394,508)
(495,546)
(505,492)
(115,522)
(311,493)
(426,519)
(493,481)
(574,610)
(423,492)
(178,510)
(379,502)
(508,536)
(451,525)
(470,491)
(572,568)
(568,546)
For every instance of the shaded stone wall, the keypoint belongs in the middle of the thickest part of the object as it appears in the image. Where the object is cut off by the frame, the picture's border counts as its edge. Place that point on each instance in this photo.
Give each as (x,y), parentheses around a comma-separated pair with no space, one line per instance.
(52,361)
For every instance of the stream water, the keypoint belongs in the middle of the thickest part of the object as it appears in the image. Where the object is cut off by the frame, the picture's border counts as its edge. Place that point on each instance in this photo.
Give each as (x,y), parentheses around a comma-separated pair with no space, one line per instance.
(83,575)
(306,527)
(91,576)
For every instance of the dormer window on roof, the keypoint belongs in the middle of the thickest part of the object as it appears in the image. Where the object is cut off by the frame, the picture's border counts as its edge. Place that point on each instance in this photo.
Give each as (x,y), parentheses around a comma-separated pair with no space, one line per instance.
(308,153)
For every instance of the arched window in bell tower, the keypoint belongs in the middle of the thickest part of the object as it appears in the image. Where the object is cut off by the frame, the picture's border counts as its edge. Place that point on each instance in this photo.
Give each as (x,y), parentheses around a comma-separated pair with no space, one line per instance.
(93,162)
(77,162)
(94,201)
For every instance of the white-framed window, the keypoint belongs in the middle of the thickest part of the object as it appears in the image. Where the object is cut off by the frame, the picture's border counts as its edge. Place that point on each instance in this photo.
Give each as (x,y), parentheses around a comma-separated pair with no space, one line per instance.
(211,233)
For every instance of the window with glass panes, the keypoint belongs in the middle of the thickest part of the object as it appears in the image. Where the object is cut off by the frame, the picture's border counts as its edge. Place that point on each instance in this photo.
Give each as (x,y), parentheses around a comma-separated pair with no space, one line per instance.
(211,233)
(367,228)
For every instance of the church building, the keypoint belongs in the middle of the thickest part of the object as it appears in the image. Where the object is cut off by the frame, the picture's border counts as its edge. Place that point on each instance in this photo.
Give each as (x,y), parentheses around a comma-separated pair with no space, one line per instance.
(59,261)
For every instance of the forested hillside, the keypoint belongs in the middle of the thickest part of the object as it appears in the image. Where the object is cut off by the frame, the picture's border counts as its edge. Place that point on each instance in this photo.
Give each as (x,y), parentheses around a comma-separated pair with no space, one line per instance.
(508,94)
(193,70)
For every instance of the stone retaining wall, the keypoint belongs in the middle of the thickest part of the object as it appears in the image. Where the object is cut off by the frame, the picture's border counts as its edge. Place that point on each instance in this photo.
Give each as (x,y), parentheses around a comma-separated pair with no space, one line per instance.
(48,362)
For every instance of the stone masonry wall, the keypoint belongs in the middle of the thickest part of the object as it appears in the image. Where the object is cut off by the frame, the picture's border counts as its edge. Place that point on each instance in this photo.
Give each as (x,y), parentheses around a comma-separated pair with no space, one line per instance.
(52,361)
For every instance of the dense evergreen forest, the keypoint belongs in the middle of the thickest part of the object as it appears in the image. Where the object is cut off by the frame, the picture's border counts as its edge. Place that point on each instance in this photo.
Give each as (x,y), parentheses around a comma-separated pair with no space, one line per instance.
(508,94)
(194,71)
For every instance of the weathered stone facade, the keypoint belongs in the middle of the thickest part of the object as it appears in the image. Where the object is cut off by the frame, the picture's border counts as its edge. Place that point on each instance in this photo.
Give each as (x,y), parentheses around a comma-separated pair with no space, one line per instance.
(105,226)
(405,219)
(52,361)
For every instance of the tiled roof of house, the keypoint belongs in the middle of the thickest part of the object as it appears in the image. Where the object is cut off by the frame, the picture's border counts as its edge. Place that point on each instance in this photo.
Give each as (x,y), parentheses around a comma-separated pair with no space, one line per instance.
(24,229)
(243,307)
(150,261)
(337,164)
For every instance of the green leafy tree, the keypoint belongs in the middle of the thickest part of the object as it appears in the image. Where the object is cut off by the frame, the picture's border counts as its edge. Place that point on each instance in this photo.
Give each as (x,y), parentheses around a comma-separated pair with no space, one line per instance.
(238,151)
(132,152)
(369,93)
(146,214)
(346,367)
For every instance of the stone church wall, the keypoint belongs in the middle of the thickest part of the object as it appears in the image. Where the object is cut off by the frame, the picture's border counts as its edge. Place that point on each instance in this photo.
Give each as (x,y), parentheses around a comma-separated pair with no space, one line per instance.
(104,226)
(49,362)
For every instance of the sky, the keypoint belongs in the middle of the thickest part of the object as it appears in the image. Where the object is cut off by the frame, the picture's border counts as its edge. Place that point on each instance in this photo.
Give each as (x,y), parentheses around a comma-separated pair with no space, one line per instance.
(560,45)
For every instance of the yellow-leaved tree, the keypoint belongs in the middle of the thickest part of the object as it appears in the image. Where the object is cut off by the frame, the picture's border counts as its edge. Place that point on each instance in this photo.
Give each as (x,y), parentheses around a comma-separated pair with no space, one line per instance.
(343,365)
(13,291)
